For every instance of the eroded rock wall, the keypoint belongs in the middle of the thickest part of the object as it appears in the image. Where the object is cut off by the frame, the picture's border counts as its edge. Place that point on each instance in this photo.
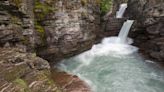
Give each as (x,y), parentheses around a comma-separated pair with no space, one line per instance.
(71,29)
(149,31)
(20,70)
(55,29)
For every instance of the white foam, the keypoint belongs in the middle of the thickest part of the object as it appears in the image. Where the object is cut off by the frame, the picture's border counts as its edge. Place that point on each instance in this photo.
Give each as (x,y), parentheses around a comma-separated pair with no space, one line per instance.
(108,46)
(149,61)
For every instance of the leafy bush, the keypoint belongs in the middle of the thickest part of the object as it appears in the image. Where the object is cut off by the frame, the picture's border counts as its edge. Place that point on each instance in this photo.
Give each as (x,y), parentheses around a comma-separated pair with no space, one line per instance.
(105,6)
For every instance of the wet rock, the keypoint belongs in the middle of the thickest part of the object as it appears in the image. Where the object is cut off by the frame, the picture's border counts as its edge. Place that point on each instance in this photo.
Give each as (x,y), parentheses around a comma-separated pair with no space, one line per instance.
(24,72)
(69,83)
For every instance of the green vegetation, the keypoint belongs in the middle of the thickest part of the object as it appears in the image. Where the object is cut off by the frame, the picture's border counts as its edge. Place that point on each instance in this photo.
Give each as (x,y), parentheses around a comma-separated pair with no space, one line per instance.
(40,29)
(105,6)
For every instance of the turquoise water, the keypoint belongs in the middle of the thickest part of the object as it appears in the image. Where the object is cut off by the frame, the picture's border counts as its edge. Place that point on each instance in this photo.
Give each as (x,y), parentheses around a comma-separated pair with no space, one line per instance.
(109,70)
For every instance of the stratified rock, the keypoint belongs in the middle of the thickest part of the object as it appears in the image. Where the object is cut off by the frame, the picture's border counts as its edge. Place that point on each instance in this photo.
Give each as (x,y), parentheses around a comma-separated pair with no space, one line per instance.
(150,24)
(70,29)
(17,23)
(24,72)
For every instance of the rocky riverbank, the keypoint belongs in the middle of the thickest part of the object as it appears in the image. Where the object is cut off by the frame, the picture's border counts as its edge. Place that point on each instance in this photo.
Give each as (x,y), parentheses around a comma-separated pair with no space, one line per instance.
(68,82)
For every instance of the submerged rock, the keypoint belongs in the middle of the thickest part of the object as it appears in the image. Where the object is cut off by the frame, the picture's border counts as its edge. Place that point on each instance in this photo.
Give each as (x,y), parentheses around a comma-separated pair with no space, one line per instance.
(24,72)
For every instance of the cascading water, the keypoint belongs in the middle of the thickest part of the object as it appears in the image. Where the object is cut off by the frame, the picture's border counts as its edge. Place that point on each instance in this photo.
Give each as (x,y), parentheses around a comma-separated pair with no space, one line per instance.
(125,30)
(114,66)
(121,11)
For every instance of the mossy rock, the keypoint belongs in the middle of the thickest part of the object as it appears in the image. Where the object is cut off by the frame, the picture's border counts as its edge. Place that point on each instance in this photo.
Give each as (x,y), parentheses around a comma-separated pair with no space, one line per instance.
(41,33)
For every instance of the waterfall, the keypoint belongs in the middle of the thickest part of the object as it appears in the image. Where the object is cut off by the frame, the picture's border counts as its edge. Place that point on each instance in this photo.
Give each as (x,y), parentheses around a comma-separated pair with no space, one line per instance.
(121,11)
(114,66)
(125,30)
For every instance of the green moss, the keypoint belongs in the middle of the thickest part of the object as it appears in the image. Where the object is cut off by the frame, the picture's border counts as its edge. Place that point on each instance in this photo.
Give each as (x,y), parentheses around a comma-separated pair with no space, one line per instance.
(40,29)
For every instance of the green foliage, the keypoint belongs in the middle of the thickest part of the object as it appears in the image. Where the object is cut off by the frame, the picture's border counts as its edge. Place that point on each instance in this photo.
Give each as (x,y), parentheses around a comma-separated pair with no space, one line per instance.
(105,6)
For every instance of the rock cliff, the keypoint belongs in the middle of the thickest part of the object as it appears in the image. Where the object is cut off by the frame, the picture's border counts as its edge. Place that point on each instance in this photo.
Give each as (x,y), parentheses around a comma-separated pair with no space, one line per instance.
(53,29)
(149,31)
(70,29)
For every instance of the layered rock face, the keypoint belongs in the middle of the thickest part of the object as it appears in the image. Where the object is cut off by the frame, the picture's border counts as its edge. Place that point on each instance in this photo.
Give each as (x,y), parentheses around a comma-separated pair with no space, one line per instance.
(21,71)
(149,32)
(54,28)
(16,23)
(24,72)
(71,29)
